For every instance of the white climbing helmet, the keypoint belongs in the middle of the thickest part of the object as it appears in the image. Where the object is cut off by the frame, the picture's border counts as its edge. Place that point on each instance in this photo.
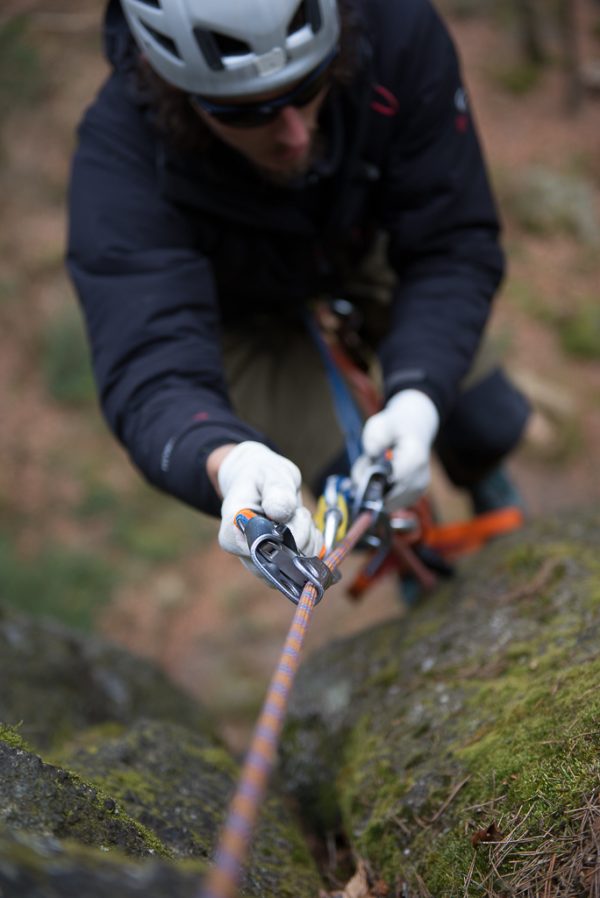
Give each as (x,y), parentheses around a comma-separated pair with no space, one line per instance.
(233,48)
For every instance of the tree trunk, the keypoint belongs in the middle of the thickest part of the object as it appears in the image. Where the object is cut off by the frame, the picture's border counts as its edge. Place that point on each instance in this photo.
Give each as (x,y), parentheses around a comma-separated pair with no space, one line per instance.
(531,31)
(568,16)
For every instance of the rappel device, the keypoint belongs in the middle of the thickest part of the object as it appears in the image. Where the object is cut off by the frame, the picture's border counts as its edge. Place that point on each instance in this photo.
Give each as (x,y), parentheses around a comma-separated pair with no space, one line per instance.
(274,552)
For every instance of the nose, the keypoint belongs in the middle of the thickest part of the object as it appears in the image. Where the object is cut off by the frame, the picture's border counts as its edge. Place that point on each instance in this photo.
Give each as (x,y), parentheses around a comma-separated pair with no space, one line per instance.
(293,128)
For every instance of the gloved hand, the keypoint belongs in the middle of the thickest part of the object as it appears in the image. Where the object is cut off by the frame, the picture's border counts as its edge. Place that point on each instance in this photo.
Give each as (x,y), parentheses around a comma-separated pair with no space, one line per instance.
(253,476)
(407,425)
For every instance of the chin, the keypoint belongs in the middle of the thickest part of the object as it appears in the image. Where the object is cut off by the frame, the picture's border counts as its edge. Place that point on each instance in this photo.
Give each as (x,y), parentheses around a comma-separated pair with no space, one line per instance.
(284,170)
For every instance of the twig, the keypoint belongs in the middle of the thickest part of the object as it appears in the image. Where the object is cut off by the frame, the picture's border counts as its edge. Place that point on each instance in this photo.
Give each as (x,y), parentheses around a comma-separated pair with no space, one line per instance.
(469,877)
(423,890)
(535,585)
(483,804)
(429,821)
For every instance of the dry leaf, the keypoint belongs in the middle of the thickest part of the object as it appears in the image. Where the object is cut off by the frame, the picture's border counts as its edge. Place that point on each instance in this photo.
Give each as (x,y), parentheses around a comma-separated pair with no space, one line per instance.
(357,887)
(489,834)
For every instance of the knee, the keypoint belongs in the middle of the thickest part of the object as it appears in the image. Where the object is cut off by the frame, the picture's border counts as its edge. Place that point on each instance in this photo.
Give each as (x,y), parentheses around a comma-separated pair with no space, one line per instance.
(485,425)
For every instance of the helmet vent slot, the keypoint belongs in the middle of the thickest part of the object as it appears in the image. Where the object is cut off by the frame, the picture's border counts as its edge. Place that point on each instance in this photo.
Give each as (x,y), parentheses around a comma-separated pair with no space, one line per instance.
(165,42)
(153,4)
(307,13)
(216,46)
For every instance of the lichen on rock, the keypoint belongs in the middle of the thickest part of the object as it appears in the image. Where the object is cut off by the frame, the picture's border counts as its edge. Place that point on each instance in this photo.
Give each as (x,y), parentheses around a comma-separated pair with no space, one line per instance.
(117,802)
(61,681)
(481,707)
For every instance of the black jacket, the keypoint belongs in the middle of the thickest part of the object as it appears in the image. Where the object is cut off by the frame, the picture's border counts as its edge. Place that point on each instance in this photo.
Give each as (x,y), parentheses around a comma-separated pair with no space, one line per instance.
(163,247)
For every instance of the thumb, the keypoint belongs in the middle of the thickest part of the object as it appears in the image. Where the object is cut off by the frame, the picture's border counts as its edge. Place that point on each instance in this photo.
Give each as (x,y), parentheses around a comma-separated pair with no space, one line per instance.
(280,490)
(378,434)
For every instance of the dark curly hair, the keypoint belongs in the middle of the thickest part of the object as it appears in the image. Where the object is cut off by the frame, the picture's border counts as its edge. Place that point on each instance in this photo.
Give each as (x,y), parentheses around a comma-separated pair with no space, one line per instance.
(174,116)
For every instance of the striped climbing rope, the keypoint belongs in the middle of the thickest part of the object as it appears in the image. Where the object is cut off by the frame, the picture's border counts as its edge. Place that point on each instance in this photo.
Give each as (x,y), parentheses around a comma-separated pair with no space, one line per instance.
(223,878)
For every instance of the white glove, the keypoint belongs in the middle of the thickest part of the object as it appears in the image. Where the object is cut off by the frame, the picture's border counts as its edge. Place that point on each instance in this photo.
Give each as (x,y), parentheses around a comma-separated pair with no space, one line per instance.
(407,425)
(253,476)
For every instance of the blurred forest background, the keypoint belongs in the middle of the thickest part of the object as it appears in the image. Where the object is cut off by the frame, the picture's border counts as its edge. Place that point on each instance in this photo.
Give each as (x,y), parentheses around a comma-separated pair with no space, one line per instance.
(82,538)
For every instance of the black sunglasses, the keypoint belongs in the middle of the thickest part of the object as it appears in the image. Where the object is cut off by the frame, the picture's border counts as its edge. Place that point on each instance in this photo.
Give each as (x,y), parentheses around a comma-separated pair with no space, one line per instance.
(253,115)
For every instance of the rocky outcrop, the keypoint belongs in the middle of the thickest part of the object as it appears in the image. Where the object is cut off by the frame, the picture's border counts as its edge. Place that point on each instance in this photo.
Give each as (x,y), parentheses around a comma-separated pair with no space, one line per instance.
(132,784)
(457,748)
(57,682)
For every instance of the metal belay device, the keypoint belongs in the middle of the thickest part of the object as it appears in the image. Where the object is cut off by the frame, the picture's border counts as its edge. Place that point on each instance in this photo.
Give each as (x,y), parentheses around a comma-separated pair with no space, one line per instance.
(274,552)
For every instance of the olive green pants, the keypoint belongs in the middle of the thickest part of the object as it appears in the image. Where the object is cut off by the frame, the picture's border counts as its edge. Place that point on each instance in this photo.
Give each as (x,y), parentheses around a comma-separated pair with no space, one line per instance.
(278,384)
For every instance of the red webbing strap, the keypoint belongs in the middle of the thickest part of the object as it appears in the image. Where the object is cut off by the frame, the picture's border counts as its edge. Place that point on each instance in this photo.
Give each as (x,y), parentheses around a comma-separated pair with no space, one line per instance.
(223,878)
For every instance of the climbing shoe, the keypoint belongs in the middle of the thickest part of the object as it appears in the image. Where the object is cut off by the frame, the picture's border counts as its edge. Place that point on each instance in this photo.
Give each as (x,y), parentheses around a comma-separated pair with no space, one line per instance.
(494,492)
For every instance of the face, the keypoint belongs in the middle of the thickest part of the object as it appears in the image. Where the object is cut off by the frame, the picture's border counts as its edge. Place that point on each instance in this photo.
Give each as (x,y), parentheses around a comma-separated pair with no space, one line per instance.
(282,148)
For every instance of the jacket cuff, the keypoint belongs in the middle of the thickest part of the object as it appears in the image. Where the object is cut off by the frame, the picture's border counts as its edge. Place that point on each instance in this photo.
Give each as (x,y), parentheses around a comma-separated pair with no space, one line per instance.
(414,379)
(183,462)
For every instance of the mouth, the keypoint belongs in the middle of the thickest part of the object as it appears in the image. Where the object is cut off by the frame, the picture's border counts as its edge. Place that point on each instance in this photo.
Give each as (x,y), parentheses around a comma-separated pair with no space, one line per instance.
(291,157)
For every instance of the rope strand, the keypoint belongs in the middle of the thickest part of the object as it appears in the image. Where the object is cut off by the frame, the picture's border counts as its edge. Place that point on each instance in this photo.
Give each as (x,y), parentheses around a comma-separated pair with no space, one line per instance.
(223,878)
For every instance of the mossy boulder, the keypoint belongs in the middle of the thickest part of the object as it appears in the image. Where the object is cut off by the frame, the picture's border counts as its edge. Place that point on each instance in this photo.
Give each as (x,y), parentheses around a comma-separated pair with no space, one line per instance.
(458,747)
(130,805)
(59,682)
(40,866)
(178,785)
(43,798)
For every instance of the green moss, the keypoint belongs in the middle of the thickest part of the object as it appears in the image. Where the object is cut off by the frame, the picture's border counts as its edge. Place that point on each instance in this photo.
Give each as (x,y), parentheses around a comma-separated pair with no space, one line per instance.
(579,332)
(384,677)
(22,81)
(524,760)
(58,581)
(371,788)
(68,868)
(518,79)
(220,760)
(519,745)
(89,739)
(54,800)
(520,756)
(90,828)
(11,736)
(66,360)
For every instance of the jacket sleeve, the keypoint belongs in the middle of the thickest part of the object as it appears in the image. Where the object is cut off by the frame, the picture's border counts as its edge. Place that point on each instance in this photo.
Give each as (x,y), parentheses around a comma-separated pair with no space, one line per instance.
(438,209)
(150,306)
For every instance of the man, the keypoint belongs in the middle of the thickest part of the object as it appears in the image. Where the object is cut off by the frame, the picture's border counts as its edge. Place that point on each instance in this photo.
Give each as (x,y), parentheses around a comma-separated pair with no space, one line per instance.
(244,158)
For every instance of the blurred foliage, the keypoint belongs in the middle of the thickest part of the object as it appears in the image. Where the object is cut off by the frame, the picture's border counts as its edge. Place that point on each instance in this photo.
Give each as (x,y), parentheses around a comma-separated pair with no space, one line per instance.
(21,76)
(524,297)
(517,79)
(59,582)
(126,537)
(580,331)
(544,201)
(66,361)
(9,287)
(146,524)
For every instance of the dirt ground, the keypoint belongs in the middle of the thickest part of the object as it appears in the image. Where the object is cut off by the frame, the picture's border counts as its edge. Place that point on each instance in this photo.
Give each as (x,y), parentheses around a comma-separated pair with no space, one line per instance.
(213,628)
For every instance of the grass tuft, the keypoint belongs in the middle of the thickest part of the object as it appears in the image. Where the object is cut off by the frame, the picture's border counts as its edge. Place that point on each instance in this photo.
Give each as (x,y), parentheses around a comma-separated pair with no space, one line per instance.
(63,583)
(65,360)
(21,77)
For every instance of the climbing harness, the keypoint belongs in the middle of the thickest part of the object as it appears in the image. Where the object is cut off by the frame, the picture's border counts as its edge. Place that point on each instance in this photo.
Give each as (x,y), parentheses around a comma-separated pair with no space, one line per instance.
(408,542)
